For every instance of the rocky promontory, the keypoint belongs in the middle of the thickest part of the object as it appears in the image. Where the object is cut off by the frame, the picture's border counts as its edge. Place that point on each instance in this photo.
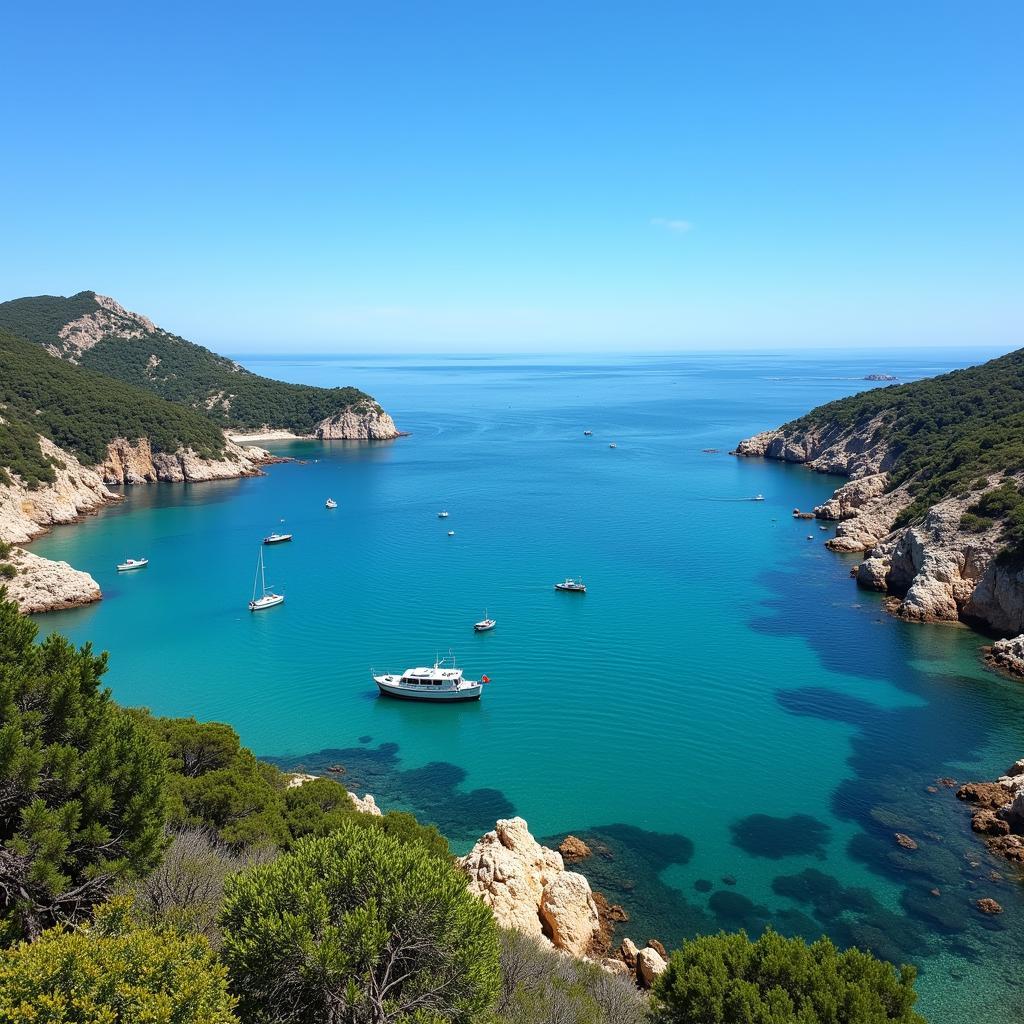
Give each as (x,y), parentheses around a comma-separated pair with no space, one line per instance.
(934,500)
(999,811)
(128,463)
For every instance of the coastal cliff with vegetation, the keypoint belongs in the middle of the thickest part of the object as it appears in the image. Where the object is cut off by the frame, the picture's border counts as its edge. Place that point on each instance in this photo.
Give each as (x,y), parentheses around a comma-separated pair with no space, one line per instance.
(935,498)
(98,333)
(92,395)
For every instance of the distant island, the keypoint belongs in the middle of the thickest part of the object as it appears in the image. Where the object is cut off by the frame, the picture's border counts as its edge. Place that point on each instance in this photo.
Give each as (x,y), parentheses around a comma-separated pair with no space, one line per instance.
(92,394)
(935,498)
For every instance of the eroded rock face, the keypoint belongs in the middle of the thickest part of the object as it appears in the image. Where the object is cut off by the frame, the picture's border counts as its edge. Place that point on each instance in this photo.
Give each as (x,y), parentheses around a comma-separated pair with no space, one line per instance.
(1000,811)
(42,585)
(110,319)
(528,889)
(77,491)
(136,463)
(367,422)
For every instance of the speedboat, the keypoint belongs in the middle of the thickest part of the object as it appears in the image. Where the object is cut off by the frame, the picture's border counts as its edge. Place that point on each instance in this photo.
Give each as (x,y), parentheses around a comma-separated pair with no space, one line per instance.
(267,598)
(132,563)
(277,538)
(330,503)
(588,433)
(484,624)
(757,497)
(442,515)
(451,533)
(573,586)
(613,445)
(440,683)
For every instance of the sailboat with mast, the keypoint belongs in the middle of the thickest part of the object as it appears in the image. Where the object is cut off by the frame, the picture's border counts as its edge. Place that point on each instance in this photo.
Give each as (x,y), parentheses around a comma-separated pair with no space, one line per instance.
(267,598)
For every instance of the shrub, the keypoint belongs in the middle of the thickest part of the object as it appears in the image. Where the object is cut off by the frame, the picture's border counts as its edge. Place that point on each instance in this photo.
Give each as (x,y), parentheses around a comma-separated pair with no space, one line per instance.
(138,975)
(358,927)
(7,571)
(81,788)
(727,979)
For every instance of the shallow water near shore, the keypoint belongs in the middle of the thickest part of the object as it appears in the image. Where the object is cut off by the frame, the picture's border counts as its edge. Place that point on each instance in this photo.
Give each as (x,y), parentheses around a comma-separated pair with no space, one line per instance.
(735,728)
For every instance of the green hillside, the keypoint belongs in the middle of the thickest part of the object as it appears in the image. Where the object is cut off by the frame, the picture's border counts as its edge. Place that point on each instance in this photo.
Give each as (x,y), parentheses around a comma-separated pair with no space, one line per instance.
(81,411)
(949,433)
(177,369)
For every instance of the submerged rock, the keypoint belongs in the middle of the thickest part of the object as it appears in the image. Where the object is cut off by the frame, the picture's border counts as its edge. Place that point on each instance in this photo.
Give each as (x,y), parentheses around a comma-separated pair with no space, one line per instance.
(574,849)
(987,905)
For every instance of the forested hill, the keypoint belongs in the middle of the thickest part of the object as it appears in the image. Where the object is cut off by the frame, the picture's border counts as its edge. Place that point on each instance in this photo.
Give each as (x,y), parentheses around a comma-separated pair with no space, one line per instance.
(943,432)
(99,334)
(81,411)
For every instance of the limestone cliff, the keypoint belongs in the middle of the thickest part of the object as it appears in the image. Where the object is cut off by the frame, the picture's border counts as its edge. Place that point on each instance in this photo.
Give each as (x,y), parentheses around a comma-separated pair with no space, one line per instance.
(43,585)
(367,422)
(934,568)
(128,463)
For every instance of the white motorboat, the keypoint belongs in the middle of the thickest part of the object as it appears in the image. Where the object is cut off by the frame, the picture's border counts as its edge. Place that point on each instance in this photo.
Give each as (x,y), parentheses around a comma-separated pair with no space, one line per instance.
(441,683)
(588,433)
(277,538)
(484,624)
(267,598)
(451,533)
(757,497)
(442,514)
(613,445)
(572,586)
(330,503)
(132,563)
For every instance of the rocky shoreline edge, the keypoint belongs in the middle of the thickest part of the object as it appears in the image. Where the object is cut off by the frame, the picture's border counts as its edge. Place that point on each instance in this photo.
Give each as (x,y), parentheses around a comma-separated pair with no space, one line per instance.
(39,584)
(999,812)
(933,570)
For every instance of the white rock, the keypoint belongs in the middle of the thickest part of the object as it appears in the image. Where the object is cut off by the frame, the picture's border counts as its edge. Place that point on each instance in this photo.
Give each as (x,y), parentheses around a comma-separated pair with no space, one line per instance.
(568,910)
(367,804)
(649,964)
(42,585)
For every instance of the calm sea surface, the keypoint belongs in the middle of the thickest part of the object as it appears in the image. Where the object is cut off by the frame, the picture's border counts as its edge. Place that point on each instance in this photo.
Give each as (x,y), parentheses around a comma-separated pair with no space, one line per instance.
(736,727)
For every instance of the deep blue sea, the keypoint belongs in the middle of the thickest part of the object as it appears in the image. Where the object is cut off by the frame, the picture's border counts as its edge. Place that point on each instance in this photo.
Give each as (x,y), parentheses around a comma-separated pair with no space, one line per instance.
(737,727)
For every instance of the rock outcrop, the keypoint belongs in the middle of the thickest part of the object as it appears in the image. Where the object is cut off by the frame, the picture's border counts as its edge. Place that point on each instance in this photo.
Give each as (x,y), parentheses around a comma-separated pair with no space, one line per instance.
(649,964)
(999,811)
(935,570)
(128,463)
(1008,655)
(43,585)
(110,319)
(528,889)
(366,422)
(365,804)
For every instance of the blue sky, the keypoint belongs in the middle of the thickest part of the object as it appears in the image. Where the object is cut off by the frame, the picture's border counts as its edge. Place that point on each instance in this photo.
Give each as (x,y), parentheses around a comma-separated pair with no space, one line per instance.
(500,177)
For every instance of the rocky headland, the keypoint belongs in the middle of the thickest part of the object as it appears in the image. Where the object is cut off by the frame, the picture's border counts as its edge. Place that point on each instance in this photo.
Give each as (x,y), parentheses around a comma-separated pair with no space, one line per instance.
(999,812)
(934,517)
(528,889)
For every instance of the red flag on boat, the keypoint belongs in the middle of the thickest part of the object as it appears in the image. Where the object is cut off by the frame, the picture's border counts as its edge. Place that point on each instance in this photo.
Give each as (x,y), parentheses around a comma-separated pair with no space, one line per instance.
(485,679)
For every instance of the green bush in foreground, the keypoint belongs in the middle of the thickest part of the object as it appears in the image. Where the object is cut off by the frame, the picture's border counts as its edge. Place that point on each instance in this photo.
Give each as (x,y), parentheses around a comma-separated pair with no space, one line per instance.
(81,787)
(358,927)
(727,979)
(135,976)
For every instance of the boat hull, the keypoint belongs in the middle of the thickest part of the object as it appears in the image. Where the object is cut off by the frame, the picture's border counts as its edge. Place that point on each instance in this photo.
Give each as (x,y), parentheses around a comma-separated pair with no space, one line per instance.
(132,568)
(278,540)
(425,696)
(262,605)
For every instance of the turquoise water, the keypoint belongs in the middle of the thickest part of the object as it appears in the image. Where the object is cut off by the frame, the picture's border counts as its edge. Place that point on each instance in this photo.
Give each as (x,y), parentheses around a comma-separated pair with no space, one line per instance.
(736,726)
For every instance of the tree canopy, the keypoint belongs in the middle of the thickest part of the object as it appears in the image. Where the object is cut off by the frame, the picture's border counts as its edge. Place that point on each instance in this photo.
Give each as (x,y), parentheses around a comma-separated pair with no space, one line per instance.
(358,926)
(81,787)
(727,979)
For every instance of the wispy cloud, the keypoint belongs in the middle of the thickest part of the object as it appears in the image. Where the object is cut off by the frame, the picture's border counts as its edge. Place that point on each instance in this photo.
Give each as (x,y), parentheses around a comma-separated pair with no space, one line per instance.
(677,227)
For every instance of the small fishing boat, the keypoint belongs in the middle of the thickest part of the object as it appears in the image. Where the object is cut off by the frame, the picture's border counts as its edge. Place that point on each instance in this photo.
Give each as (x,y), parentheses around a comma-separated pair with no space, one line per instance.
(132,563)
(267,598)
(588,433)
(451,533)
(757,497)
(330,503)
(613,445)
(484,624)
(440,684)
(442,515)
(277,538)
(572,586)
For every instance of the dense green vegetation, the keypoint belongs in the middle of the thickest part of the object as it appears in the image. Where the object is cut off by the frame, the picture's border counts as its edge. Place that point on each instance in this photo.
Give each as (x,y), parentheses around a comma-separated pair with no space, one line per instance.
(181,371)
(81,787)
(81,411)
(727,979)
(948,433)
(153,870)
(358,904)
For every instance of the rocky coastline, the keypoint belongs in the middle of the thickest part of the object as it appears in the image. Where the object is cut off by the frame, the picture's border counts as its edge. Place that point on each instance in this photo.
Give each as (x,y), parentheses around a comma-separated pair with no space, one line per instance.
(999,812)
(933,570)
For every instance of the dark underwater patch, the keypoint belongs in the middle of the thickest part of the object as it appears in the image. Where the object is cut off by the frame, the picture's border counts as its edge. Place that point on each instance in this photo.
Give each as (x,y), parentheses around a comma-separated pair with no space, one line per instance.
(762,835)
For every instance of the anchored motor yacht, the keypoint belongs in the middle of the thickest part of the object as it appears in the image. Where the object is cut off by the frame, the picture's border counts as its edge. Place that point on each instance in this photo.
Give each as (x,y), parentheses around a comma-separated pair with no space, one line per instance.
(277,538)
(440,683)
(132,563)
(572,585)
(330,503)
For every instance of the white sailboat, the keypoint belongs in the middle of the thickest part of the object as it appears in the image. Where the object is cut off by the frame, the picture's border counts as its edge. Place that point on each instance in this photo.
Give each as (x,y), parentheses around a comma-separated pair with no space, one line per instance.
(267,598)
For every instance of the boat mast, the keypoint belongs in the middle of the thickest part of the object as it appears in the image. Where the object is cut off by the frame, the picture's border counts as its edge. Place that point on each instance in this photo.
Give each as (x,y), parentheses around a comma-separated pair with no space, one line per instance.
(263,575)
